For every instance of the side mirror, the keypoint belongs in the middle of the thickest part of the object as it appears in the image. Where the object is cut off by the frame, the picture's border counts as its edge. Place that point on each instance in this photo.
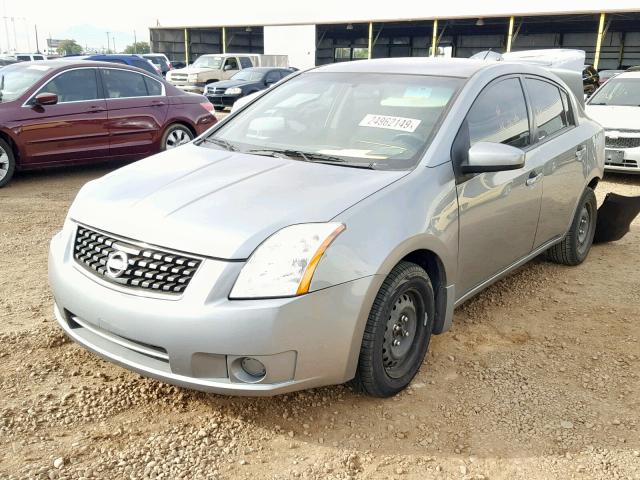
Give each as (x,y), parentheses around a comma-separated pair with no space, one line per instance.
(227,68)
(46,99)
(493,157)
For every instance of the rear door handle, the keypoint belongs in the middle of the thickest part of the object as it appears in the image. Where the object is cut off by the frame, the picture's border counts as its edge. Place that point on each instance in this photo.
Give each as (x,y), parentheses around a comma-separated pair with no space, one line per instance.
(157,103)
(534,177)
(580,151)
(96,109)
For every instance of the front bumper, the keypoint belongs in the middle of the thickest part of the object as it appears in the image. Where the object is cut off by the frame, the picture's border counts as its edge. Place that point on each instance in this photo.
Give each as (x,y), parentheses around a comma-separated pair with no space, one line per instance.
(189,87)
(625,160)
(198,339)
(222,100)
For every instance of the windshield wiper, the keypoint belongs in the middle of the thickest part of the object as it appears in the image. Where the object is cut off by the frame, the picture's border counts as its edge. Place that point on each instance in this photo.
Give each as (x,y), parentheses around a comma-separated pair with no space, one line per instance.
(221,143)
(311,157)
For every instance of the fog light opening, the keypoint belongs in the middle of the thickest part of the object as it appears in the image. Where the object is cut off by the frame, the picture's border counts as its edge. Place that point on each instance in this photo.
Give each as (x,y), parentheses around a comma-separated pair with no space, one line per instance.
(253,367)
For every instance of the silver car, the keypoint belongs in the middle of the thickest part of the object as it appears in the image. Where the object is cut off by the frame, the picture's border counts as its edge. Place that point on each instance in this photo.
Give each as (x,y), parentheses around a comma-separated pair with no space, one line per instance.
(323,232)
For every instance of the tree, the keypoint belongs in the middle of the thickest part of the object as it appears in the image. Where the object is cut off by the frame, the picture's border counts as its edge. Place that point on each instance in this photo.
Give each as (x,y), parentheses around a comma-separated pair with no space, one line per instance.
(138,47)
(68,47)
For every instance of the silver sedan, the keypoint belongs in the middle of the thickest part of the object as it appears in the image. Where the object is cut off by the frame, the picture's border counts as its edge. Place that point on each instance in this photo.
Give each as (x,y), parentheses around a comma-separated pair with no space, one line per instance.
(324,231)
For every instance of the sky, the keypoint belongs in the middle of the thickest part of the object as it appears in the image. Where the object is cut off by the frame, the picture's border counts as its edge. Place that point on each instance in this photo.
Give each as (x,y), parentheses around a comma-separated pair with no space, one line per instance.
(89,21)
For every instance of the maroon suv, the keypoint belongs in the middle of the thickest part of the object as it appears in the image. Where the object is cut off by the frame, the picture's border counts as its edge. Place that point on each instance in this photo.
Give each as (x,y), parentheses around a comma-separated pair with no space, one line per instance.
(62,112)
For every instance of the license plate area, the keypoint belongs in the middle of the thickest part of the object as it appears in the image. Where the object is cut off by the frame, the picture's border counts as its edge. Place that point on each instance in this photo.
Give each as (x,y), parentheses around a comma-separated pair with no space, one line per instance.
(615,157)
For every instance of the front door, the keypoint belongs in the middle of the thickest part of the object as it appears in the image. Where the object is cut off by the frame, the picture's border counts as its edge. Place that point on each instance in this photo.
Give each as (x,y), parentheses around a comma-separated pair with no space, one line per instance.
(73,129)
(230,68)
(137,108)
(498,211)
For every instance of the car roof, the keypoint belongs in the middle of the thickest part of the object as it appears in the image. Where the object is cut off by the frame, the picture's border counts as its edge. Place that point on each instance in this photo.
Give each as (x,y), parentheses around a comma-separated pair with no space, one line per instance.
(444,67)
(629,75)
(263,69)
(79,62)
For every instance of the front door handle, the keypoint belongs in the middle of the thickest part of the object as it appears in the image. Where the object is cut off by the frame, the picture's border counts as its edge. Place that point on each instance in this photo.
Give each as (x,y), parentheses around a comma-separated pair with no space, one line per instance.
(534,177)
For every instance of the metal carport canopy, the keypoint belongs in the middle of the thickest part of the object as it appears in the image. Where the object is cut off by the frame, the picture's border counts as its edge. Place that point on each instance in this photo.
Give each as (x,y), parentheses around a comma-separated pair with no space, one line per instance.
(296,12)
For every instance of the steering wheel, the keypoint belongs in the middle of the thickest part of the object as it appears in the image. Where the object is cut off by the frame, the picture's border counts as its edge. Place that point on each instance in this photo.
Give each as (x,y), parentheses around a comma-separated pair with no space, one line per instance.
(408,139)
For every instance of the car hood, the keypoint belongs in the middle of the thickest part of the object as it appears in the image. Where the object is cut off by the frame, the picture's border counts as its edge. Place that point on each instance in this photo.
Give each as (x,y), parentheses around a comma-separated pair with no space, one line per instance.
(217,203)
(612,117)
(233,83)
(192,70)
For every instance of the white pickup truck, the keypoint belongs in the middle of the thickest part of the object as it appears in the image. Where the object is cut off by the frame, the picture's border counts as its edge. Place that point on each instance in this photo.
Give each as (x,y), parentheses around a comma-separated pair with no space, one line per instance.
(213,68)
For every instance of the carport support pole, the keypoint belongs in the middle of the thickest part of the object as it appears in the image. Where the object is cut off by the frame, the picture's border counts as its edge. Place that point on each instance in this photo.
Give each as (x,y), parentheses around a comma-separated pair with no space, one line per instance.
(434,38)
(596,59)
(186,46)
(510,35)
(370,40)
(224,40)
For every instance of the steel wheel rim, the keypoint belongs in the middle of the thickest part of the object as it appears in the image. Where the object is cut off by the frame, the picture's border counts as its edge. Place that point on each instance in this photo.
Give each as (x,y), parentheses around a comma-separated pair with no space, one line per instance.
(584,228)
(4,163)
(176,138)
(400,334)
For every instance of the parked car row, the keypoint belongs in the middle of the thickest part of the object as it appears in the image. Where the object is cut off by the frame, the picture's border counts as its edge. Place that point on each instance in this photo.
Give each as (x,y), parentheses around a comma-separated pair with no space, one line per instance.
(58,112)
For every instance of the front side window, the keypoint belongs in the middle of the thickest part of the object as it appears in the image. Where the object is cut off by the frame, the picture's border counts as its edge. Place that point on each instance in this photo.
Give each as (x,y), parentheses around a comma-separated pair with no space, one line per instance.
(619,92)
(38,57)
(272,77)
(499,115)
(123,84)
(231,64)
(74,86)
(548,110)
(23,58)
(381,119)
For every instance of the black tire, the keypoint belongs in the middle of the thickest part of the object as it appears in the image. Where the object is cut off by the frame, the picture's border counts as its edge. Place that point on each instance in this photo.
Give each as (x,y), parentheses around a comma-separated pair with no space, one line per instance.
(174,135)
(577,243)
(383,370)
(7,163)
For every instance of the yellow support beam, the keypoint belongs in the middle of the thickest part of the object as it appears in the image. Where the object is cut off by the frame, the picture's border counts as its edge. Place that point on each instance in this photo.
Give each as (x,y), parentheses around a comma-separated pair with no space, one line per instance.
(186,46)
(510,35)
(224,40)
(434,39)
(370,40)
(596,60)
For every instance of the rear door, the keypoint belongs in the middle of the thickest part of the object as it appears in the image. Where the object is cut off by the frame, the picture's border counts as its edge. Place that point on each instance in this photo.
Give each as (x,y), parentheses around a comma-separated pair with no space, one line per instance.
(137,108)
(561,148)
(498,211)
(73,129)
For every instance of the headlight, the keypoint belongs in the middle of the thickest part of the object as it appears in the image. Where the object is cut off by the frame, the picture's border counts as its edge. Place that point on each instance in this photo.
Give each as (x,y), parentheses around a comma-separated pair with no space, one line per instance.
(233,91)
(284,264)
(192,77)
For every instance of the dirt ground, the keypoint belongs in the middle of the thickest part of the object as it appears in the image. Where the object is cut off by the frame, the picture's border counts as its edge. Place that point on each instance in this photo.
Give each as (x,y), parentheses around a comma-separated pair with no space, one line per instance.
(538,379)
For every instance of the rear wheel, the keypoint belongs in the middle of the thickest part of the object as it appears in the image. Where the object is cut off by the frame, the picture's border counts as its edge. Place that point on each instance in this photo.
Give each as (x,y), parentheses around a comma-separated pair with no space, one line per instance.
(577,243)
(175,136)
(7,163)
(397,333)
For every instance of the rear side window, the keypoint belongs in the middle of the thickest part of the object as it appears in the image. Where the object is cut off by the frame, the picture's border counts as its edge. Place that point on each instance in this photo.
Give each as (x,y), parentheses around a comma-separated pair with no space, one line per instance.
(246,62)
(74,86)
(566,104)
(548,110)
(23,58)
(38,57)
(123,84)
(154,88)
(499,115)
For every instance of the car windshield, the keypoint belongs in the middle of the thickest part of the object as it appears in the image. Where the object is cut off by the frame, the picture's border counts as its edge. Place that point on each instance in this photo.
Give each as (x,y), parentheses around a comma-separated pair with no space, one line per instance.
(383,121)
(618,92)
(208,62)
(18,78)
(248,75)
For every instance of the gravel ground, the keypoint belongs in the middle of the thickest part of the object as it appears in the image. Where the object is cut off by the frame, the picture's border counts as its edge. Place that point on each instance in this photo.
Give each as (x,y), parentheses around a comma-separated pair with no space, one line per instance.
(538,379)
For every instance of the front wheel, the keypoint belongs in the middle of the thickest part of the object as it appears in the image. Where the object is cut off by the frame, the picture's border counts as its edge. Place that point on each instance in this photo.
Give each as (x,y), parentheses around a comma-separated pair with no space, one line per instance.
(577,243)
(175,136)
(7,163)
(397,333)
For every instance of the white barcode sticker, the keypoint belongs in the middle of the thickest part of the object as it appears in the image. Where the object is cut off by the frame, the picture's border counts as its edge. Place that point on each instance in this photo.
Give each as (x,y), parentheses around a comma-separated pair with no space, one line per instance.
(392,123)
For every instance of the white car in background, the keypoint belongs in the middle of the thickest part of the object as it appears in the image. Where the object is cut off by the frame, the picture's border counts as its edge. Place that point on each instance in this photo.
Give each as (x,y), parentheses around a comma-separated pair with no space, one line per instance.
(616,106)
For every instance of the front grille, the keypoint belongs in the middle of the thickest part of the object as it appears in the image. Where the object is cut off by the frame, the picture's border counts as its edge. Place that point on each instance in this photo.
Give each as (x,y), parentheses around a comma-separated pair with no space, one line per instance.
(146,268)
(179,77)
(215,90)
(625,163)
(622,142)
